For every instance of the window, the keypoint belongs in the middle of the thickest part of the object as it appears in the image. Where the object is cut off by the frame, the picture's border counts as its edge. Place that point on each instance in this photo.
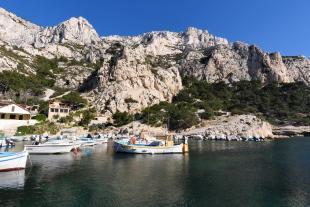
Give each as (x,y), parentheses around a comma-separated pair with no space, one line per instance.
(2,116)
(61,110)
(13,108)
(20,117)
(12,116)
(52,110)
(65,110)
(56,110)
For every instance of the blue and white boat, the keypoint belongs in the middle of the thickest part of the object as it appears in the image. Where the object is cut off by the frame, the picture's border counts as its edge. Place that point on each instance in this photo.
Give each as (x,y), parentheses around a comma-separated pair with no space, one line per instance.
(13,160)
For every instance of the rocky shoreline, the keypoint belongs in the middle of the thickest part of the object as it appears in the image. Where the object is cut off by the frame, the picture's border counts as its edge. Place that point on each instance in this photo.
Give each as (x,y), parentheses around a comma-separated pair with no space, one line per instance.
(223,128)
(291,131)
(243,128)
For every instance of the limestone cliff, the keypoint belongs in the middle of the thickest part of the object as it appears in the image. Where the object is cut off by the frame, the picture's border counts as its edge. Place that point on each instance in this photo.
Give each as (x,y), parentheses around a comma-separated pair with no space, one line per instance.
(141,70)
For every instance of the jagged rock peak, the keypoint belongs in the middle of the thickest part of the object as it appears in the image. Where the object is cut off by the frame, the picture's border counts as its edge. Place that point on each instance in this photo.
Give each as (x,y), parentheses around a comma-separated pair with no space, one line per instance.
(75,30)
(197,38)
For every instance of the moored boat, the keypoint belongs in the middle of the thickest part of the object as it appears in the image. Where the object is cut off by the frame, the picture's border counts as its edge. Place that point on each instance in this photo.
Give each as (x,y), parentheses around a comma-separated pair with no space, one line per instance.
(49,148)
(13,160)
(6,142)
(85,142)
(155,147)
(101,140)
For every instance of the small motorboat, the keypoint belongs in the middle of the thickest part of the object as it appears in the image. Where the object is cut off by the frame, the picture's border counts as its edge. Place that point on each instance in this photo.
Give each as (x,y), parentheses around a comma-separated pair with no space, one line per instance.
(61,141)
(13,160)
(49,148)
(101,139)
(6,142)
(84,141)
(17,138)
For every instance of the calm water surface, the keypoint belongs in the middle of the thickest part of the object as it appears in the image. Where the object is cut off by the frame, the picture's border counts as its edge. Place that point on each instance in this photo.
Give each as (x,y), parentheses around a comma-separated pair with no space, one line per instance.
(212,174)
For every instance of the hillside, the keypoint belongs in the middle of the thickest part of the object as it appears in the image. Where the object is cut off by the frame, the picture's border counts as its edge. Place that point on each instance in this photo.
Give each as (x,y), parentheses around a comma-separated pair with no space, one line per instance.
(128,73)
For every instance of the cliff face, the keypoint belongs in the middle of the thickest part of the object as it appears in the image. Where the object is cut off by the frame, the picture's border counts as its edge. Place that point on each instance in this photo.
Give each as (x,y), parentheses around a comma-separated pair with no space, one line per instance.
(140,70)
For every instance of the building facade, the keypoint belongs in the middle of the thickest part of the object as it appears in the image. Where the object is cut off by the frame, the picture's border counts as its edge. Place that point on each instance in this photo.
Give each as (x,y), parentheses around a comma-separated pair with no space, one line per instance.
(13,116)
(13,112)
(57,109)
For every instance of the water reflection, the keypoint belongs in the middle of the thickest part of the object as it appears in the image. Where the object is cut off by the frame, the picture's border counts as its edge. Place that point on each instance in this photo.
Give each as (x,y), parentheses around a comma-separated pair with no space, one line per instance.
(47,167)
(213,146)
(12,179)
(160,177)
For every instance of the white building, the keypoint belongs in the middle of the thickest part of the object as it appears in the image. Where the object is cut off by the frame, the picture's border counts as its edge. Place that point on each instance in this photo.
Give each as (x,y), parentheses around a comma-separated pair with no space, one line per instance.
(13,112)
(13,116)
(57,109)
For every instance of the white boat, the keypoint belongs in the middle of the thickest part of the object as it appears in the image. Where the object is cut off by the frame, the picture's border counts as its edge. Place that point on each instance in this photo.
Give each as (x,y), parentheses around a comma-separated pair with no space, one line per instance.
(120,146)
(165,145)
(85,142)
(101,140)
(49,148)
(13,160)
(6,142)
(17,138)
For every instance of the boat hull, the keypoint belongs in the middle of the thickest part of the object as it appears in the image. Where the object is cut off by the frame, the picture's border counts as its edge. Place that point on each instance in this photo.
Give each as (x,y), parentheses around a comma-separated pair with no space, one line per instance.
(49,149)
(134,149)
(16,161)
(101,140)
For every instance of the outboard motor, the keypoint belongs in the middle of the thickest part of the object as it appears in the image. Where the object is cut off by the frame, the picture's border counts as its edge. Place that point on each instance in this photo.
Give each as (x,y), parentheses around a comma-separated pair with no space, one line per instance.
(9,142)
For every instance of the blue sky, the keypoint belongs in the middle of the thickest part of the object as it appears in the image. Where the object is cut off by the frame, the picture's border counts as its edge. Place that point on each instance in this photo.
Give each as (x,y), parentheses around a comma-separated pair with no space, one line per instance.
(274,25)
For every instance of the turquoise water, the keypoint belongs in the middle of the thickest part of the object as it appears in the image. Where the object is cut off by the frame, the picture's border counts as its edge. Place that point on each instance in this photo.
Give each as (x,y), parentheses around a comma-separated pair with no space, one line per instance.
(212,174)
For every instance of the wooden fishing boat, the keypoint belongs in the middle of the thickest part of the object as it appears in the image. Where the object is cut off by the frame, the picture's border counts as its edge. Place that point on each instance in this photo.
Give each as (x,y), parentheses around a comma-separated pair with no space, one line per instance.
(165,146)
(13,160)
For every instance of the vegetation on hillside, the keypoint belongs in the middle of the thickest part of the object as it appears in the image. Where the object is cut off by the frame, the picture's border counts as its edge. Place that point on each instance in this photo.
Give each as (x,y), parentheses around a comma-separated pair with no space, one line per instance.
(87,116)
(74,98)
(122,118)
(39,128)
(32,84)
(286,103)
(13,83)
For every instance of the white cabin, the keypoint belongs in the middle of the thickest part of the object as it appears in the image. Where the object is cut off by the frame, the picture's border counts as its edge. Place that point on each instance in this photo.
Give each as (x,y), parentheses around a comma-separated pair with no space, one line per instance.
(13,115)
(14,112)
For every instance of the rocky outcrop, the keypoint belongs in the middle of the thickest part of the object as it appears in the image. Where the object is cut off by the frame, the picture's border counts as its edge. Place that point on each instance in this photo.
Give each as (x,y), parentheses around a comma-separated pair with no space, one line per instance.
(298,68)
(238,127)
(290,131)
(15,30)
(129,86)
(75,30)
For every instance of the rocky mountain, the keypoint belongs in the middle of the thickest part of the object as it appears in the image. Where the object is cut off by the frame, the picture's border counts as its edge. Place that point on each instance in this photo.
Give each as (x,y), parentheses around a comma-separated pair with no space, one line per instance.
(130,73)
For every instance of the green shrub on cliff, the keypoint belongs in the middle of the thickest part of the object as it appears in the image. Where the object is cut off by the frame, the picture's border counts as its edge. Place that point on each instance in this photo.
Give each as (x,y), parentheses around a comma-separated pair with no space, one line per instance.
(122,118)
(285,103)
(74,98)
